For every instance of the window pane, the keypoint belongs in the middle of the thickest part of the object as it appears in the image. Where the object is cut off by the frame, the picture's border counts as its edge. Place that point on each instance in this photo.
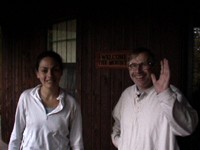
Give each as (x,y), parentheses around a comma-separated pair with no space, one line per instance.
(68,80)
(62,31)
(54,33)
(62,39)
(71,29)
(196,59)
(61,49)
(71,51)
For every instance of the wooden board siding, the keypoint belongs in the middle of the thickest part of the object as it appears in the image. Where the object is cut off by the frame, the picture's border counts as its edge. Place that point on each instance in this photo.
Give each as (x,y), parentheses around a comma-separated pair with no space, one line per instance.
(20,49)
(101,87)
(98,89)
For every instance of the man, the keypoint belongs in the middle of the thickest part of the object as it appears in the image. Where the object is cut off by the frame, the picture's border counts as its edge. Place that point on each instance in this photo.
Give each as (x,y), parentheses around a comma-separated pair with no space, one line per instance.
(151,113)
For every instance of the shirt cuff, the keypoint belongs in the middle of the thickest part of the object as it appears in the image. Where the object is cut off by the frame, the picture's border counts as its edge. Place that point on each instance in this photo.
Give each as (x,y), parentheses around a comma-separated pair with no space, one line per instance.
(167,97)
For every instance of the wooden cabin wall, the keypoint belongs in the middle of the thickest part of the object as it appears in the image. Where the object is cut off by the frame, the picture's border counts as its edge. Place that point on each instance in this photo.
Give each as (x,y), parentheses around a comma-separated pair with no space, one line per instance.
(101,88)
(20,48)
(98,89)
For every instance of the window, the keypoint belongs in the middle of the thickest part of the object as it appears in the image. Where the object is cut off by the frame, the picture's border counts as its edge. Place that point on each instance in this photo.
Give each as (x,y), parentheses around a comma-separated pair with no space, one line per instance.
(62,39)
(196,59)
(0,77)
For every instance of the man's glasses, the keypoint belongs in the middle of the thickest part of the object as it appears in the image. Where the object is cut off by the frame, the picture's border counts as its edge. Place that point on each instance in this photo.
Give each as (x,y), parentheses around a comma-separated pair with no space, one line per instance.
(143,66)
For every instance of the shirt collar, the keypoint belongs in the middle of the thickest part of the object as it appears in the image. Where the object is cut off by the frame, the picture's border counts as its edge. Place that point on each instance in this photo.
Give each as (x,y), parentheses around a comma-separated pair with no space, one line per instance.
(141,94)
(35,93)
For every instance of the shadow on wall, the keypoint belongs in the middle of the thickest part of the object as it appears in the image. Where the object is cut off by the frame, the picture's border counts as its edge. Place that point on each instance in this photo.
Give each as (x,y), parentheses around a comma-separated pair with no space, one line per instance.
(3,146)
(196,135)
(192,142)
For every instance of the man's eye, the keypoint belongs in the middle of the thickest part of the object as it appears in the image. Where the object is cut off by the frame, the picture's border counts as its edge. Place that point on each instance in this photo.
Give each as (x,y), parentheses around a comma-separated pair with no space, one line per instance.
(133,65)
(145,64)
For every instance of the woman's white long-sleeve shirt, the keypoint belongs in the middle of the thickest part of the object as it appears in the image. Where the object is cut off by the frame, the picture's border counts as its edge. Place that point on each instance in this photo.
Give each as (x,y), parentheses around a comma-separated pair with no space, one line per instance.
(34,129)
(152,121)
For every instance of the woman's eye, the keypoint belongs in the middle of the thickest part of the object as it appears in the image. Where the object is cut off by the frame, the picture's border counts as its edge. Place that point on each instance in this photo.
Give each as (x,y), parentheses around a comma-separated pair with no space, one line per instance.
(44,71)
(56,69)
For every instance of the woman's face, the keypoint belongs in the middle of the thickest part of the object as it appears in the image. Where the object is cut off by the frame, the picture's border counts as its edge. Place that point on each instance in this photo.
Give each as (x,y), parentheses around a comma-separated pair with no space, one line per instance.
(140,71)
(49,72)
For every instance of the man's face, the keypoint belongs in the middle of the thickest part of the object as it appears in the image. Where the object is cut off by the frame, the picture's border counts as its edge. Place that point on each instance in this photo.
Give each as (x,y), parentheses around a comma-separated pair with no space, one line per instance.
(140,71)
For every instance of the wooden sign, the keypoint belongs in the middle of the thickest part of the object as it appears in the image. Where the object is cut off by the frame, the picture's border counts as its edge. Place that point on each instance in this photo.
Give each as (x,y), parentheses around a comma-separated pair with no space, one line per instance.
(116,59)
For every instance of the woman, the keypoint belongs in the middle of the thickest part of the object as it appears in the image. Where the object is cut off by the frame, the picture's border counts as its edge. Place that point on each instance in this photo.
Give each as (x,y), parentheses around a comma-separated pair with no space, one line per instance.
(47,117)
